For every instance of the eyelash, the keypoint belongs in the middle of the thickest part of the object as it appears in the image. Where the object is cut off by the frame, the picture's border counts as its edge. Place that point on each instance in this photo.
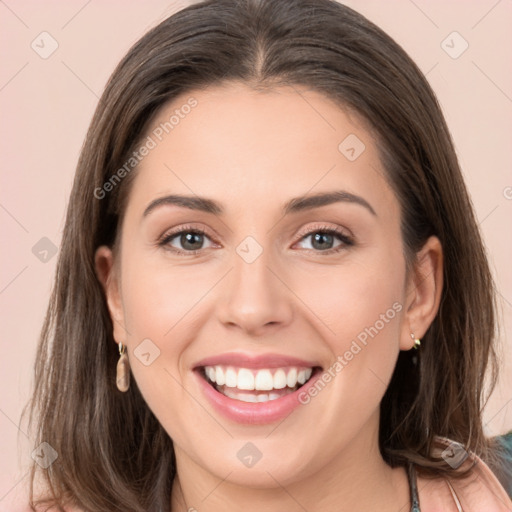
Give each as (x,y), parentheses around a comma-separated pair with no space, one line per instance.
(167,237)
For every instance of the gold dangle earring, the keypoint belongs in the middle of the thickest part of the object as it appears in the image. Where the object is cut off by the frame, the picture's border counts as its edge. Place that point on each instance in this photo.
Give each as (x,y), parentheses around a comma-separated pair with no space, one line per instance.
(417,341)
(123,370)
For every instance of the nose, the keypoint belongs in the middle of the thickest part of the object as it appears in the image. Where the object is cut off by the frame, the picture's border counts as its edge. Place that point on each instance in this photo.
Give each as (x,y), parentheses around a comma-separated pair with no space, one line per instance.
(255,297)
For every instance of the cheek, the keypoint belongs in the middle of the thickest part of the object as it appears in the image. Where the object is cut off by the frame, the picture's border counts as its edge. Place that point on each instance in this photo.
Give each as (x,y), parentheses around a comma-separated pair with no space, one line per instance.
(357,300)
(158,295)
(360,307)
(364,316)
(160,304)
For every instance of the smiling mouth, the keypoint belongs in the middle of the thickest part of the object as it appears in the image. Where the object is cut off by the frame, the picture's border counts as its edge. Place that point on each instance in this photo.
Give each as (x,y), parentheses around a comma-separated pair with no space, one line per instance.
(257,385)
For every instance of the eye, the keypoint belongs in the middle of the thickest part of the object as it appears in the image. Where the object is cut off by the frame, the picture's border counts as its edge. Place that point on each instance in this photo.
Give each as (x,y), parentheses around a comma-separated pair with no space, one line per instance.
(324,238)
(190,240)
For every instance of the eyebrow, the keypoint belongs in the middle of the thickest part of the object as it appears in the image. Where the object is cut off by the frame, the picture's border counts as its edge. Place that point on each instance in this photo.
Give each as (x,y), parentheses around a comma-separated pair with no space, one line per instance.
(295,205)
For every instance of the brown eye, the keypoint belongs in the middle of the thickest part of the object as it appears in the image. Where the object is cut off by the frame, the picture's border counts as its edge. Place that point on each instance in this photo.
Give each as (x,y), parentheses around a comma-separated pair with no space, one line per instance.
(323,240)
(186,240)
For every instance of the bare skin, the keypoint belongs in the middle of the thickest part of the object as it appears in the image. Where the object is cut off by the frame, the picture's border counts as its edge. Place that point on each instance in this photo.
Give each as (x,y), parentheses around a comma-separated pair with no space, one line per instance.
(253,152)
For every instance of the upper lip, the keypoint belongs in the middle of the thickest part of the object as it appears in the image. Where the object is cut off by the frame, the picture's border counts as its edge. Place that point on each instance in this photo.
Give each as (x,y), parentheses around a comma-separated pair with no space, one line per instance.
(245,360)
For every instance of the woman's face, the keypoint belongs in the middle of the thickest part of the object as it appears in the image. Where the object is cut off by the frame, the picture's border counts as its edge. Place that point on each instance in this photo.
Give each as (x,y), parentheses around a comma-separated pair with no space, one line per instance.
(249,281)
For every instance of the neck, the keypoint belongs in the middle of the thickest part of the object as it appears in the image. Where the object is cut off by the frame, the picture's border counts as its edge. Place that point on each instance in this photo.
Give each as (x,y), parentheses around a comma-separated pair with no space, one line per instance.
(355,479)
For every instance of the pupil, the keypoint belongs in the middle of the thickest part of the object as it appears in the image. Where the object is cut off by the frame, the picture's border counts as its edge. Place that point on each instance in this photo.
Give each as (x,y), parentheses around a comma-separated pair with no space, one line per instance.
(322,238)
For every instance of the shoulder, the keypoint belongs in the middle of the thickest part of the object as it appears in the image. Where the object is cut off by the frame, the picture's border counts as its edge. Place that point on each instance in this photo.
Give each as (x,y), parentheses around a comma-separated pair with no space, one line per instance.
(479,491)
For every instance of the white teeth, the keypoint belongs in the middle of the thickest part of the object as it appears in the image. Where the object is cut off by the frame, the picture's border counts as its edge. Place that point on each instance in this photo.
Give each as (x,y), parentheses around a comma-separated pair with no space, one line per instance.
(251,398)
(220,377)
(231,378)
(244,397)
(304,375)
(259,380)
(264,381)
(291,379)
(279,379)
(245,379)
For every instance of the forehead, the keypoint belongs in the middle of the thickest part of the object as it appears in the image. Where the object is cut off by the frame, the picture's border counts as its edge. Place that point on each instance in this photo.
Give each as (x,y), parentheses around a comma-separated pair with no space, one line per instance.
(251,147)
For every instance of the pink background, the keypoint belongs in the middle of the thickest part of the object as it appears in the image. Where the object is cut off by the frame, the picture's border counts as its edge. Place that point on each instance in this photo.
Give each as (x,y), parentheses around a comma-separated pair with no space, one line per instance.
(46,106)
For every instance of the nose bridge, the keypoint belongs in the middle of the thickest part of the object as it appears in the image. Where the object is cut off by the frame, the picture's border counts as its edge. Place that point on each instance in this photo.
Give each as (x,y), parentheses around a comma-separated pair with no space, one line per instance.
(254,297)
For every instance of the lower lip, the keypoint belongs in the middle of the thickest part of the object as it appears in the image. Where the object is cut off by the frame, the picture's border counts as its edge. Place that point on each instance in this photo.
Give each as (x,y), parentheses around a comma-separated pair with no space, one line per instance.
(254,413)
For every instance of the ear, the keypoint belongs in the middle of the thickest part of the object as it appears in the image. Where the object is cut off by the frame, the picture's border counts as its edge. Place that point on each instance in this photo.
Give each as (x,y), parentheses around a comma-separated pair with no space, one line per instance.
(423,292)
(109,278)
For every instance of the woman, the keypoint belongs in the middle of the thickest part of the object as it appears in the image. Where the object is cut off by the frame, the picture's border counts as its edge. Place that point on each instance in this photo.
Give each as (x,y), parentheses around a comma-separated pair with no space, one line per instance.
(272,291)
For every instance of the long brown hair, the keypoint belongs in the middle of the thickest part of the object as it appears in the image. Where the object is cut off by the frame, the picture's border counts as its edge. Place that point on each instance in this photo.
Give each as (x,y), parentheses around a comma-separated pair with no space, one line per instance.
(112,452)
